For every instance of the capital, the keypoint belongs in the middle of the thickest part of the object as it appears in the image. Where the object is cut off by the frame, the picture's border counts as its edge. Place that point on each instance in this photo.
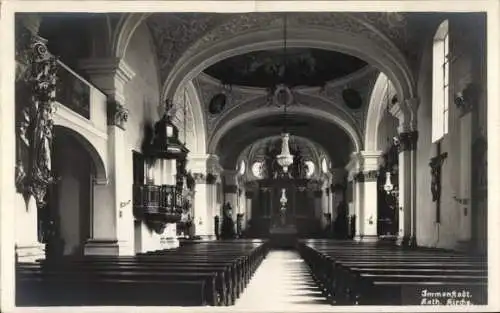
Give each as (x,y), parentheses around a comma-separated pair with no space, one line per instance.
(109,74)
(211,179)
(100,181)
(406,113)
(408,141)
(369,160)
(231,189)
(199,178)
(368,176)
(117,114)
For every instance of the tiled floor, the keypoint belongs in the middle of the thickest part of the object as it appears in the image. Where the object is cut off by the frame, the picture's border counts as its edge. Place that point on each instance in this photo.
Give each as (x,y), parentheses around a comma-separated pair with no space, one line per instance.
(282,282)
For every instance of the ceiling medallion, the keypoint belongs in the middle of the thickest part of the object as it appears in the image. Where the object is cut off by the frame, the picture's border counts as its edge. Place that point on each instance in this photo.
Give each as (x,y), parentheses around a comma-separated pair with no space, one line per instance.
(217,103)
(352,98)
(282,95)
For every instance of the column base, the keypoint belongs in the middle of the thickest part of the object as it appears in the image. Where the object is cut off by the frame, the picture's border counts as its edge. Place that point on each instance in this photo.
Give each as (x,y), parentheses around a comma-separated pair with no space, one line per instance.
(406,242)
(357,238)
(101,247)
(369,238)
(30,253)
(169,243)
(207,237)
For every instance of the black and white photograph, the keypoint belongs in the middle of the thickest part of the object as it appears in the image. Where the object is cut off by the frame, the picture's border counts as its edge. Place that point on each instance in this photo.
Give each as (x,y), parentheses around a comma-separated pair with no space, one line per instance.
(249,156)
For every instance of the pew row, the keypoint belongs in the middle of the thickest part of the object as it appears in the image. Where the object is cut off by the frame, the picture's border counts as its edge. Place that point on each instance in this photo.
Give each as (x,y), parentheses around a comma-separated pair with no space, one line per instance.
(372,274)
(205,273)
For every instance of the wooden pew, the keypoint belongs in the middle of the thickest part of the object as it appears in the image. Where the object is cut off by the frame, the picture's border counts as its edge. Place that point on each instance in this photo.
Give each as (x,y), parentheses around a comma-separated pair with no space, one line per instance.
(212,273)
(356,273)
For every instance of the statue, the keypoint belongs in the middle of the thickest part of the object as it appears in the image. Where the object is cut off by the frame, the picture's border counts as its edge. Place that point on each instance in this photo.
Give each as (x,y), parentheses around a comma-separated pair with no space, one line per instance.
(35,123)
(227,227)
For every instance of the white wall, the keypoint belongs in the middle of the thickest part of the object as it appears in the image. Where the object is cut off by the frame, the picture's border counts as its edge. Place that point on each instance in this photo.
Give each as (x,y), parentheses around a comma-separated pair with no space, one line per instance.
(142,100)
(466,66)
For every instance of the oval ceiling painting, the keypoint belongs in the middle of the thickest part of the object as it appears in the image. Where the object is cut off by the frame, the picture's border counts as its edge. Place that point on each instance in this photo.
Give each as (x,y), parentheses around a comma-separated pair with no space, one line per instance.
(352,98)
(217,103)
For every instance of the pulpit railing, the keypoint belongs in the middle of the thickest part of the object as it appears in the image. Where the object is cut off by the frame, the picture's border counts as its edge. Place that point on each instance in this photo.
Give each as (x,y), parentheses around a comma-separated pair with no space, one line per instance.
(156,204)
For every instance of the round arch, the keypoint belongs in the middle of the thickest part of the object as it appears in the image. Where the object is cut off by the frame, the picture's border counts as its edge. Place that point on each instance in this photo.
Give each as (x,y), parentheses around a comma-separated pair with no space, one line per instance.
(198,136)
(100,167)
(124,31)
(393,64)
(378,103)
(301,110)
(315,147)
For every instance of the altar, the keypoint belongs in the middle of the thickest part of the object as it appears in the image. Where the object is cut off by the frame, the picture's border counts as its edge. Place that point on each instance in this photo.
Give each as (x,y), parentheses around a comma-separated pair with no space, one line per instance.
(283,202)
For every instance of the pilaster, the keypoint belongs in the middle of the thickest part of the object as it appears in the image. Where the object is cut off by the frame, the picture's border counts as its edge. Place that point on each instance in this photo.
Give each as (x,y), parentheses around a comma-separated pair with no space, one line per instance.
(365,195)
(111,75)
(407,190)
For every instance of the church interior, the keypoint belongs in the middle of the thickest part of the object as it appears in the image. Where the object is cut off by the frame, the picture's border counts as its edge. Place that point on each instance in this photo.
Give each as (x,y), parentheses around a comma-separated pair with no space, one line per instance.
(192,159)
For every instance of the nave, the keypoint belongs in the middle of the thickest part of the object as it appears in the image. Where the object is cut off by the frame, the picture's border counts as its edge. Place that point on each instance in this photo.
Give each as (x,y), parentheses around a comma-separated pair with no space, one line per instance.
(152,176)
(250,274)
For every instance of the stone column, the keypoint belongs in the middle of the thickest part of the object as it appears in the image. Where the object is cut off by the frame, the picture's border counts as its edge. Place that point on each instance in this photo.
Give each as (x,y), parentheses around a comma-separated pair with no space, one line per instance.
(201,216)
(242,205)
(231,196)
(318,206)
(325,196)
(363,170)
(352,169)
(212,207)
(407,188)
(113,231)
(248,208)
(231,190)
(367,182)
(408,136)
(214,171)
(370,161)
(337,190)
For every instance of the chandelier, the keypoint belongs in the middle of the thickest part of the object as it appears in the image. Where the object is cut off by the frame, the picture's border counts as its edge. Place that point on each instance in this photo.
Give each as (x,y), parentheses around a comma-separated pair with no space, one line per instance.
(284,159)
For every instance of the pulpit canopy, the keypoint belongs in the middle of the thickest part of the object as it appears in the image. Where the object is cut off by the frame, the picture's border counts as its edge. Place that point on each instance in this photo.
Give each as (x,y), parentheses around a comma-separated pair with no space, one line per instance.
(166,143)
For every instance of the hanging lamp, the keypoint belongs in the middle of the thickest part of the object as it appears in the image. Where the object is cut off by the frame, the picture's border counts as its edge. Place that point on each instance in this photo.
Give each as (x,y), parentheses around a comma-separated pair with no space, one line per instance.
(285,158)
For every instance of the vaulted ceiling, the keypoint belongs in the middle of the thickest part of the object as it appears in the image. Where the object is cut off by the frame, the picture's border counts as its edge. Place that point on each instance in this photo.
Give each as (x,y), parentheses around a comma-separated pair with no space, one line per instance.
(331,137)
(293,67)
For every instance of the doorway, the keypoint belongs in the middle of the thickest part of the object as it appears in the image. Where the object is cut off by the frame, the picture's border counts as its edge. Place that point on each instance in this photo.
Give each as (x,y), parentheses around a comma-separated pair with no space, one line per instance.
(65,223)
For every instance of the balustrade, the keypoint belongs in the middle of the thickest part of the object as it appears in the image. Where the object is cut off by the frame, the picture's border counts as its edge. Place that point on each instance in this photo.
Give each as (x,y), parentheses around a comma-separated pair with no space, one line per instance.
(157,203)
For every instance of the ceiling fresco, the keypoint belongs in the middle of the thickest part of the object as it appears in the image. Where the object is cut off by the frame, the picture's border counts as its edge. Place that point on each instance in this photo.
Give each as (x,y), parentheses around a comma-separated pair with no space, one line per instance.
(295,67)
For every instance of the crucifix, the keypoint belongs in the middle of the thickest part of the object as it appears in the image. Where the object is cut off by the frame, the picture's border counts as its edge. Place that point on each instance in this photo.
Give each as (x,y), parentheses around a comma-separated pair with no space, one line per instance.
(436,164)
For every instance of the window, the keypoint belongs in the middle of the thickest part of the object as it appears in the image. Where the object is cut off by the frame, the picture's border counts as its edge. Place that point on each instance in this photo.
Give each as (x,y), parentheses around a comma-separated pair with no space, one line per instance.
(440,83)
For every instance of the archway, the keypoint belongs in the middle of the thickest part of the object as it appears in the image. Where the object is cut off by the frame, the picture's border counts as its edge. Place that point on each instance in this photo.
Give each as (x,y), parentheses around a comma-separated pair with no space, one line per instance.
(65,224)
(390,62)
(227,126)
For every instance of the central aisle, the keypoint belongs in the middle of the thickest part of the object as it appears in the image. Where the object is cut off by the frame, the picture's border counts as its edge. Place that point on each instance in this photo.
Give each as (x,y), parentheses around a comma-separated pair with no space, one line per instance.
(281,282)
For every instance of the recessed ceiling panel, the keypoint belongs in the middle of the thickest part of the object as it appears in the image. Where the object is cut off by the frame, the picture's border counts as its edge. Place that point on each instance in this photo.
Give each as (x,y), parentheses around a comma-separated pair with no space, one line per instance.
(298,67)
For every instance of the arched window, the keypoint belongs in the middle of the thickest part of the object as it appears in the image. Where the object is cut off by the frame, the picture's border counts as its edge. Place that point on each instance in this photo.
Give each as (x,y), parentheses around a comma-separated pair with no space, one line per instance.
(440,82)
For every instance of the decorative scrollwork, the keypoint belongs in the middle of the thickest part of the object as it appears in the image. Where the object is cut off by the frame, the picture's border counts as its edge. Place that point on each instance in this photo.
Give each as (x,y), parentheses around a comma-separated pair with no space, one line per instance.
(117,114)
(408,141)
(211,178)
(199,178)
(35,121)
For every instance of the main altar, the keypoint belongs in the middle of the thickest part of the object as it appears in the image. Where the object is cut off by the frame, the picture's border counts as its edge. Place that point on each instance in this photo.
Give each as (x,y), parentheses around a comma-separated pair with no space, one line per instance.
(283,201)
